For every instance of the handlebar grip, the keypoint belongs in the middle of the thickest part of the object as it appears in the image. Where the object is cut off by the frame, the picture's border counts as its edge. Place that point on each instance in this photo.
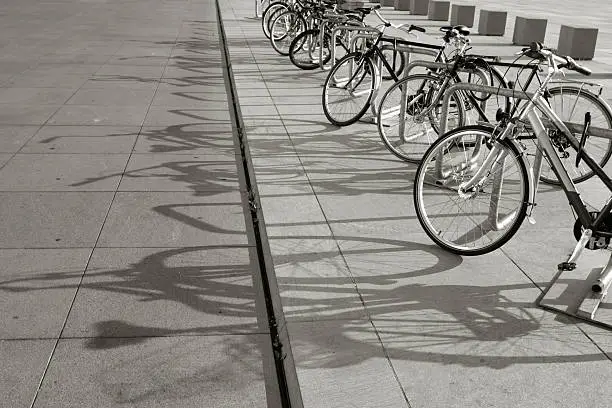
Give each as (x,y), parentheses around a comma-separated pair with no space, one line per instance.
(582,70)
(417,28)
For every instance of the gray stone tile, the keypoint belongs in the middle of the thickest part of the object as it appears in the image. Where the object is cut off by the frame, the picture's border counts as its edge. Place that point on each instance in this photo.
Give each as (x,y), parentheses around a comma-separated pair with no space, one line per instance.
(171,172)
(189,85)
(314,281)
(23,365)
(342,364)
(156,372)
(174,220)
(187,139)
(113,83)
(26,114)
(35,96)
(163,116)
(120,97)
(130,71)
(160,292)
(291,215)
(99,115)
(67,219)
(82,139)
(158,61)
(13,137)
(38,286)
(41,80)
(507,356)
(63,172)
(192,100)
(4,158)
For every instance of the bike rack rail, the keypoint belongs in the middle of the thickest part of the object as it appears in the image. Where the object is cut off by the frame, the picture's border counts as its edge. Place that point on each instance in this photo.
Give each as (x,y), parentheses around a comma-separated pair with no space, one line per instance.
(580,298)
(430,65)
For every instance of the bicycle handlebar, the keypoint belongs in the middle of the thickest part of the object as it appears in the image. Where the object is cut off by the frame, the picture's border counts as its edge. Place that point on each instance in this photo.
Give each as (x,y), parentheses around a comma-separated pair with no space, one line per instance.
(537,51)
(387,23)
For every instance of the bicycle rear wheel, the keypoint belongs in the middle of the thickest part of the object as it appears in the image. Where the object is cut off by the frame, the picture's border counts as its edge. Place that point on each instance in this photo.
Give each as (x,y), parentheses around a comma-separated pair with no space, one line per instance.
(571,103)
(483,218)
(407,123)
(305,49)
(284,29)
(348,89)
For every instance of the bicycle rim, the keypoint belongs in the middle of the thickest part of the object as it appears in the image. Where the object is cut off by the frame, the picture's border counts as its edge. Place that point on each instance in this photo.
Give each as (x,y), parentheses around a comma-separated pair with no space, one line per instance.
(481,220)
(348,89)
(407,123)
(571,104)
(285,28)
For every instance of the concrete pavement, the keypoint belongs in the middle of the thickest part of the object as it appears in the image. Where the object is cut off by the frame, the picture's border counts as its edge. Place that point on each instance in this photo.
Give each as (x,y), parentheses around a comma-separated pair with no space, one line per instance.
(377,315)
(128,270)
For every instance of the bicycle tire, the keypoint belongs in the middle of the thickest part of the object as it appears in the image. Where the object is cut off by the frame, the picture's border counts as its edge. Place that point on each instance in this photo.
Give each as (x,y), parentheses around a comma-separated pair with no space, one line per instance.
(440,202)
(304,49)
(355,102)
(270,13)
(284,29)
(409,133)
(599,149)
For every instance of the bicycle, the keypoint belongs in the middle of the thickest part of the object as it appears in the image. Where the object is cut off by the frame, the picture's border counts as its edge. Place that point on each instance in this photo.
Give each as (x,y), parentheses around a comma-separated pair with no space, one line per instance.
(312,48)
(408,112)
(352,83)
(472,197)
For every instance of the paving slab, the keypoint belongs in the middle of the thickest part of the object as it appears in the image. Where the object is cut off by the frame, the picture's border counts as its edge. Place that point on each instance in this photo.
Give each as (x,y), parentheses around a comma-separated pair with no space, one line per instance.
(38,286)
(99,115)
(23,365)
(82,139)
(210,371)
(142,292)
(63,172)
(180,172)
(174,219)
(52,219)
(186,139)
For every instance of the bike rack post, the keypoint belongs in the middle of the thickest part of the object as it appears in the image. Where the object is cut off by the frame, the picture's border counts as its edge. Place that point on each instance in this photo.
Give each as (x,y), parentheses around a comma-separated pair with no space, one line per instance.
(351,29)
(407,50)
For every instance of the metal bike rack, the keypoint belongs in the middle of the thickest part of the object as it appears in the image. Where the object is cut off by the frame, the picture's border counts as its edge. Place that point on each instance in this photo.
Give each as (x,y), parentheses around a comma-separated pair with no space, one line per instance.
(362,32)
(408,50)
(584,291)
(430,65)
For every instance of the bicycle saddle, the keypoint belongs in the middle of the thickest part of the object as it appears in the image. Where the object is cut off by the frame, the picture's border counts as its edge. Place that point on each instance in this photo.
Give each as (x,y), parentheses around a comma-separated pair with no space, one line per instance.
(365,10)
(461,29)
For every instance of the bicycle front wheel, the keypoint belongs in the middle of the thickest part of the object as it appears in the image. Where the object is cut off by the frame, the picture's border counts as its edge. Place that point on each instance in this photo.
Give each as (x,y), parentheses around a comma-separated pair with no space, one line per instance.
(270,13)
(571,103)
(305,50)
(348,89)
(407,122)
(284,29)
(474,218)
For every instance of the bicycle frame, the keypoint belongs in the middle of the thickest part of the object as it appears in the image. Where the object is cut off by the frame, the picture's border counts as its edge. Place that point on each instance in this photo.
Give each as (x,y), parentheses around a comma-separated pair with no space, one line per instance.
(529,111)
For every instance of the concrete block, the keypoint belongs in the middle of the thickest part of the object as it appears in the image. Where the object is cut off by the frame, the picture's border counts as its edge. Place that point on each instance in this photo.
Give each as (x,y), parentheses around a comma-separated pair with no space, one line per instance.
(401,5)
(462,14)
(388,3)
(492,22)
(419,7)
(528,30)
(438,10)
(577,42)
